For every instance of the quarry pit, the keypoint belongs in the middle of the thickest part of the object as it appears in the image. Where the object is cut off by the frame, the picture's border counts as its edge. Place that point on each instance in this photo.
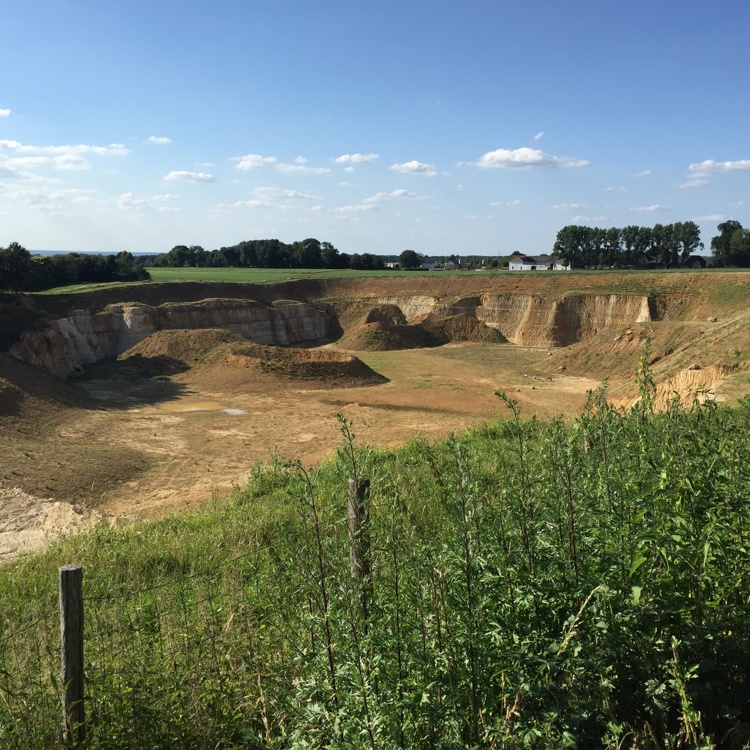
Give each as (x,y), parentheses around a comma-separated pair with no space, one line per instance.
(130,402)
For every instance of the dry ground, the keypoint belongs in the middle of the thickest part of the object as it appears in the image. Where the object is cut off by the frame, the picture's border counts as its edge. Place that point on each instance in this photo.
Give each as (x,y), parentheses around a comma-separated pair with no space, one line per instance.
(134,446)
(182,420)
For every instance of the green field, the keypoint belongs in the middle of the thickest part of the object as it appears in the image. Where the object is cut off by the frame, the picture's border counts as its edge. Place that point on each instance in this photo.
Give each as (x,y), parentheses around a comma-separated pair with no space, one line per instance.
(257,275)
(239,276)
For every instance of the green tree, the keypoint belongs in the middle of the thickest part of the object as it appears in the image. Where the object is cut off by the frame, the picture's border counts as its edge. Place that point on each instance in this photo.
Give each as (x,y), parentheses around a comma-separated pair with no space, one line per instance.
(15,266)
(571,245)
(688,239)
(721,245)
(307,254)
(410,260)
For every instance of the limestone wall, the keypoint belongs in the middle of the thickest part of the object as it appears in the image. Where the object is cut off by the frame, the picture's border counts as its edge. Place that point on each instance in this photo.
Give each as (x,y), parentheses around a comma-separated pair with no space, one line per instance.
(530,320)
(66,345)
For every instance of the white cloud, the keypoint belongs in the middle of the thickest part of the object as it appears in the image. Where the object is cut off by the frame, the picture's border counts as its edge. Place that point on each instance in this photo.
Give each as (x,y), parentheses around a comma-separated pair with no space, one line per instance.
(647,209)
(613,189)
(538,135)
(159,140)
(590,219)
(737,204)
(358,208)
(301,169)
(183,176)
(72,162)
(693,182)
(161,203)
(274,193)
(4,113)
(374,201)
(274,197)
(114,149)
(415,167)
(522,158)
(130,201)
(710,217)
(569,206)
(718,167)
(348,169)
(301,160)
(255,161)
(643,173)
(356,158)
(495,204)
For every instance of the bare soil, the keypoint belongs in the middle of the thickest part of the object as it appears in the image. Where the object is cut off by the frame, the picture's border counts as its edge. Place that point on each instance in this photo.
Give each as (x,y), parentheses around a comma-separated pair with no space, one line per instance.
(185,415)
(175,423)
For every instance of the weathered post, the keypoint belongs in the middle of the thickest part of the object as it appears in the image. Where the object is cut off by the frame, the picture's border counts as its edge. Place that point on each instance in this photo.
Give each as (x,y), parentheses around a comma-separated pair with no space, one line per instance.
(359,538)
(71,646)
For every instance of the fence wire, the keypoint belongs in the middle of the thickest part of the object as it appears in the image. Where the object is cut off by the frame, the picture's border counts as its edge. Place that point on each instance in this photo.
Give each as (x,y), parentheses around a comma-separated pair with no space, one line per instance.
(173,645)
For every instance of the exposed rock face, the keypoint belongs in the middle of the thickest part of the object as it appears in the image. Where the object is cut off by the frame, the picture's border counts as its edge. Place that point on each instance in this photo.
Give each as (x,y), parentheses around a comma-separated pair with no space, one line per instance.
(68,344)
(413,306)
(529,320)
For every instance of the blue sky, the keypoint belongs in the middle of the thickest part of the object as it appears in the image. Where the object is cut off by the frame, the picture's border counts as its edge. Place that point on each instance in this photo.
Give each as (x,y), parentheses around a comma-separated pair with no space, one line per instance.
(440,126)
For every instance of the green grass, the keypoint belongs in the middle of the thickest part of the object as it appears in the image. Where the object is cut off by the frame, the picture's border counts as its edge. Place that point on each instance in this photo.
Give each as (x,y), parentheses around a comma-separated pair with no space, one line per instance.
(256,275)
(531,584)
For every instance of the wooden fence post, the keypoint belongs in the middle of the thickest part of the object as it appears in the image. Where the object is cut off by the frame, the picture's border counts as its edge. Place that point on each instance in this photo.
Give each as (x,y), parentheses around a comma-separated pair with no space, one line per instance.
(71,647)
(359,537)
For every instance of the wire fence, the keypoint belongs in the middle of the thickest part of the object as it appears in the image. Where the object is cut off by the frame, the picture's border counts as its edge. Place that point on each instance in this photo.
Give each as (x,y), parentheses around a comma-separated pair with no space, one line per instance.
(174,645)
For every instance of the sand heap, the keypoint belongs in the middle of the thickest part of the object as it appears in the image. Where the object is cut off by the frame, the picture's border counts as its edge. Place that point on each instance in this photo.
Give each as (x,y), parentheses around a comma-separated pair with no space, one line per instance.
(227,360)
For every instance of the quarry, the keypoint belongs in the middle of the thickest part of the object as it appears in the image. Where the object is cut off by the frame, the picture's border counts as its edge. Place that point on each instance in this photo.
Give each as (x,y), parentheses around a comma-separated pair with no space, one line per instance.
(133,401)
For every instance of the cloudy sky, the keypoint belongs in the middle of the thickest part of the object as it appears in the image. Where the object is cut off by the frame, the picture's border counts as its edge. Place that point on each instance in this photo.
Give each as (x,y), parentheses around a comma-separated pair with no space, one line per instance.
(443,126)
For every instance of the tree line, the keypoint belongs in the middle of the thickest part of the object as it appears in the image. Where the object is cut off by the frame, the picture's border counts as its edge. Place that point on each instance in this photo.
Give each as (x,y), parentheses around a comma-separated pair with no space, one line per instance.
(731,247)
(309,253)
(20,271)
(660,246)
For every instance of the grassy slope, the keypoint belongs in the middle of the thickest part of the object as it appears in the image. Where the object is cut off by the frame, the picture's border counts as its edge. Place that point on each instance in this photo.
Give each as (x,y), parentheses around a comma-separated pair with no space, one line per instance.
(533,584)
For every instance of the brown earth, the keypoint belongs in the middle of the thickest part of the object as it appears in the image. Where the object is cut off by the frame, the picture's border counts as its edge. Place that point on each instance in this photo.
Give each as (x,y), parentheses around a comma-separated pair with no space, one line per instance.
(184,415)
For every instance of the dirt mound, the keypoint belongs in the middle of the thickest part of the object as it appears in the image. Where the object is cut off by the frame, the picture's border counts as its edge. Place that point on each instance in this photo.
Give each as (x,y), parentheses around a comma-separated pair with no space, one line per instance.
(28,523)
(332,368)
(385,329)
(694,383)
(462,328)
(381,336)
(387,315)
(230,361)
(171,352)
(29,390)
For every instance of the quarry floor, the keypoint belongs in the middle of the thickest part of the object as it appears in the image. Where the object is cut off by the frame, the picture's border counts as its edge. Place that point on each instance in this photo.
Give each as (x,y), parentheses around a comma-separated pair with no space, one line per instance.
(140,448)
(118,448)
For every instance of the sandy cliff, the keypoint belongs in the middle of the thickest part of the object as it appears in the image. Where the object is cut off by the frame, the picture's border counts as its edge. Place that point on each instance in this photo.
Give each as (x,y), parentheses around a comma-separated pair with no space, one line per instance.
(66,345)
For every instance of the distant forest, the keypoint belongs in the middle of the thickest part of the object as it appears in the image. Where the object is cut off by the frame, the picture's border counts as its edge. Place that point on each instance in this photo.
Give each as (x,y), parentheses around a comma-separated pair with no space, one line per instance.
(660,246)
(309,253)
(20,271)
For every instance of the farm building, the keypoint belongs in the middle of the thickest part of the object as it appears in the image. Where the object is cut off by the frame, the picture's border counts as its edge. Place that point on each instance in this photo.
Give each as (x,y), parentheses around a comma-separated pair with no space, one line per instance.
(521,262)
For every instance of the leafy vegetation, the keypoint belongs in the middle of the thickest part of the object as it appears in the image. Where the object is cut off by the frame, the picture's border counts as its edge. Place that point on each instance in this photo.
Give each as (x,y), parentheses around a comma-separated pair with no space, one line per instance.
(22,271)
(660,246)
(731,247)
(527,584)
(309,253)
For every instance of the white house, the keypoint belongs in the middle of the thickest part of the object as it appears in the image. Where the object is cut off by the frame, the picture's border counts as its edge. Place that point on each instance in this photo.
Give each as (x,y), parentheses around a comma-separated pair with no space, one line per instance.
(520,262)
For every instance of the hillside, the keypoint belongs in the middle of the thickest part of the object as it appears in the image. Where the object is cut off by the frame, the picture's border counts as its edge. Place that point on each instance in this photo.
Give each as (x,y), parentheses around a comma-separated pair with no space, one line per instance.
(139,399)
